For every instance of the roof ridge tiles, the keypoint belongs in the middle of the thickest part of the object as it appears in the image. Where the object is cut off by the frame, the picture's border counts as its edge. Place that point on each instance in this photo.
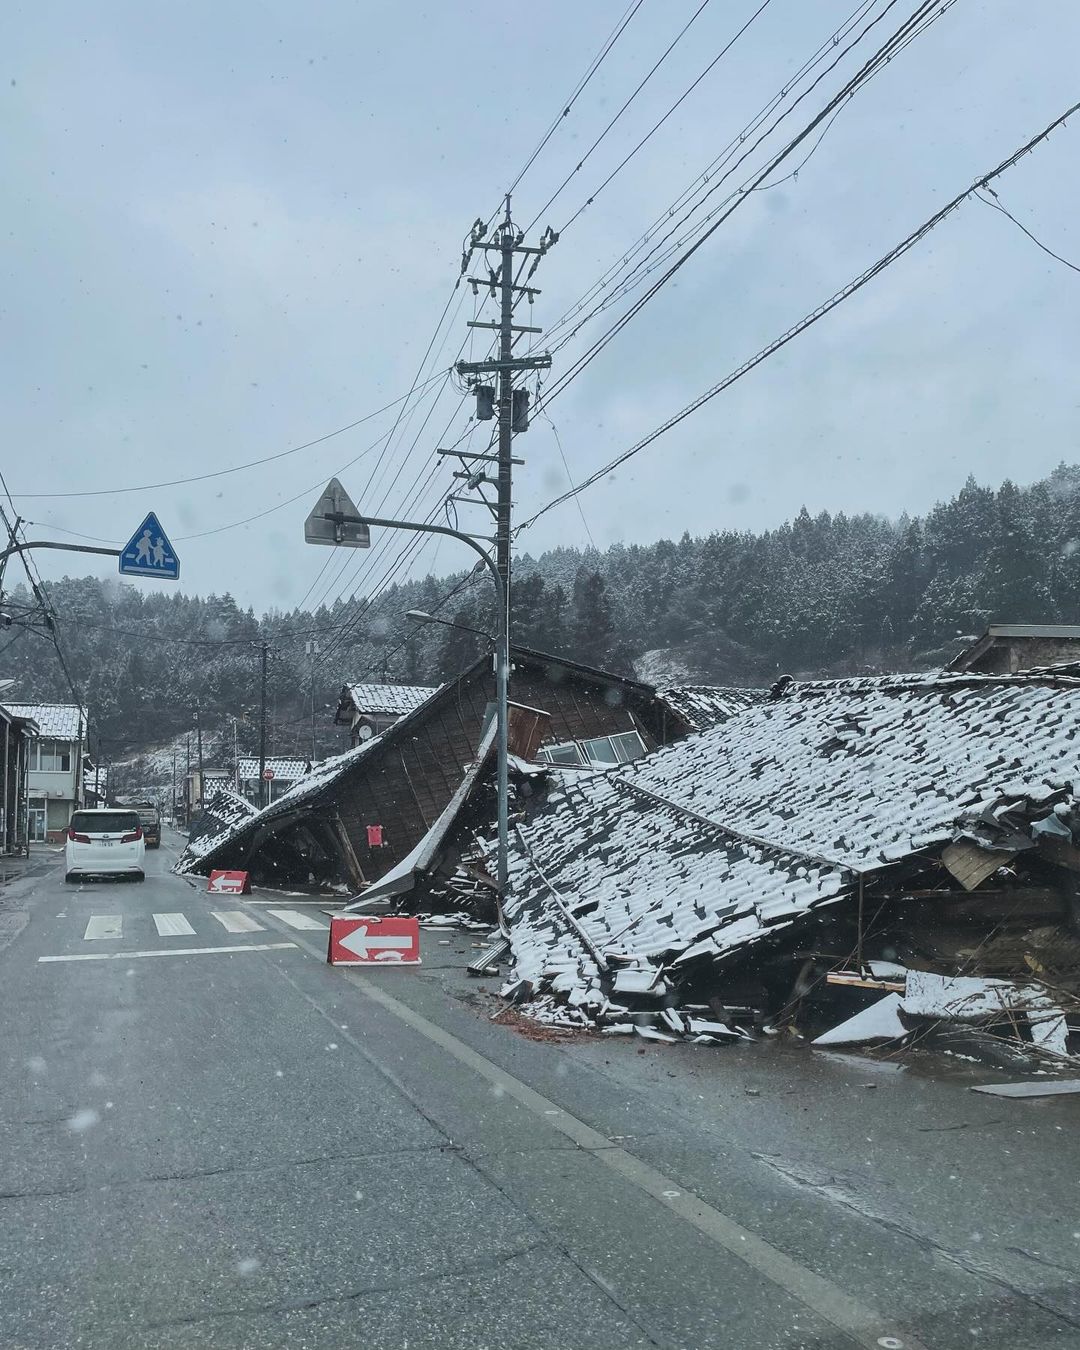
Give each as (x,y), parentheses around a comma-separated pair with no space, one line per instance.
(759,841)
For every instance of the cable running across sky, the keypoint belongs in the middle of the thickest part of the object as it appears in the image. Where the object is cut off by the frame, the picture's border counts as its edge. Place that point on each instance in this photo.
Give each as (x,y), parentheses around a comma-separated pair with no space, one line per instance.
(825,308)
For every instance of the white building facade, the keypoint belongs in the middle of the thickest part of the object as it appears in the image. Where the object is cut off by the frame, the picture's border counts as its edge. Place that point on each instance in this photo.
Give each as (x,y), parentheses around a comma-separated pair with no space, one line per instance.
(54,779)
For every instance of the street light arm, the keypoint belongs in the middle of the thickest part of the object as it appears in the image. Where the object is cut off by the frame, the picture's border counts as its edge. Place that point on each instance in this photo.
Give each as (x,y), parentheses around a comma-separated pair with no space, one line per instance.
(340,518)
(52,543)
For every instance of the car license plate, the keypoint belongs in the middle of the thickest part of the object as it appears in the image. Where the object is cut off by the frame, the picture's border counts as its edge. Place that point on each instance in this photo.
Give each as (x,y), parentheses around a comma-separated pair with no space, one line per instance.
(106,843)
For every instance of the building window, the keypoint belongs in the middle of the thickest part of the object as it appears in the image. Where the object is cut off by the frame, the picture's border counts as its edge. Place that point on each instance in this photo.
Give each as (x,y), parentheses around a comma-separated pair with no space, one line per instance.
(50,756)
(601,752)
(570,753)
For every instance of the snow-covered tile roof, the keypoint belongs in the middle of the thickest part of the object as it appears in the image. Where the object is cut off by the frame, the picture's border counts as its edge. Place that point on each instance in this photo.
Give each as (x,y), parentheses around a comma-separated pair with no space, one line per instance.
(58,721)
(720,840)
(215,823)
(388,700)
(284,770)
(703,705)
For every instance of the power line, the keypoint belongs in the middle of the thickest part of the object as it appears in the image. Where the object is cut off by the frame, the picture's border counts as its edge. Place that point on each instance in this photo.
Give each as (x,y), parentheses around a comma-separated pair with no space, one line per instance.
(581,162)
(579,89)
(897,252)
(237,468)
(657,125)
(702,180)
(304,492)
(741,193)
(20,634)
(569,477)
(360,570)
(996,204)
(880,57)
(363,569)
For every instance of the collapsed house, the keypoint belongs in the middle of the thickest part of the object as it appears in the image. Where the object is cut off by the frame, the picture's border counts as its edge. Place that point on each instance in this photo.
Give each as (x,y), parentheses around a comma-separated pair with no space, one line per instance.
(397,802)
(821,850)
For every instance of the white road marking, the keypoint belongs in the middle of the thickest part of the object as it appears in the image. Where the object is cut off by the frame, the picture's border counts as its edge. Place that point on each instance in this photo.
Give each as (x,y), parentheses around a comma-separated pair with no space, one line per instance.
(236,921)
(103,926)
(173,925)
(295,919)
(862,1323)
(172,951)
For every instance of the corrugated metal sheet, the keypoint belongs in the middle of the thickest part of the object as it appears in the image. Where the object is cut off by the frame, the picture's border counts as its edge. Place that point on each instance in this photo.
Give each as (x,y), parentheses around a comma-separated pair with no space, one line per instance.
(57,721)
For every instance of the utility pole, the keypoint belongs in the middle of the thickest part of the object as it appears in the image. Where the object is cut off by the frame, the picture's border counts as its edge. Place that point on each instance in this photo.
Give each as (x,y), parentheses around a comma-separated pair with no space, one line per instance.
(202,781)
(512,405)
(311,647)
(265,648)
(174,785)
(513,416)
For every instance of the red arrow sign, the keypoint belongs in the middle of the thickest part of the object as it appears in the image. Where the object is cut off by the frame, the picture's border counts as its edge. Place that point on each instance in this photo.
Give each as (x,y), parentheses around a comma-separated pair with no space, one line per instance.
(364,940)
(229,883)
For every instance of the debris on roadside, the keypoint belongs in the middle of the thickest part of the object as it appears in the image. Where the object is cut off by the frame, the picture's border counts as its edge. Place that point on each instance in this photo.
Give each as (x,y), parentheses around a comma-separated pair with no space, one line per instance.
(1050,1087)
(880,1022)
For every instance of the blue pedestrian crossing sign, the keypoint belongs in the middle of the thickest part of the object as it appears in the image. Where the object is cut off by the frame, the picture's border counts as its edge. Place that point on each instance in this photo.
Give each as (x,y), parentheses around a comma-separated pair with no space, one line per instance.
(148,553)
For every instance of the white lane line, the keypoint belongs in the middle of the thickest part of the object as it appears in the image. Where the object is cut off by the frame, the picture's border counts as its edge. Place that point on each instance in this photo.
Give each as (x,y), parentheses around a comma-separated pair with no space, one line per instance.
(236,921)
(173,925)
(861,1322)
(103,926)
(172,951)
(295,919)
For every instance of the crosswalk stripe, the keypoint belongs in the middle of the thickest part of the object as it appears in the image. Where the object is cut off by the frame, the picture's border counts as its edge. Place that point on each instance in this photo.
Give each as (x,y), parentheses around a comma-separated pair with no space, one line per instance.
(173,925)
(236,921)
(103,926)
(295,919)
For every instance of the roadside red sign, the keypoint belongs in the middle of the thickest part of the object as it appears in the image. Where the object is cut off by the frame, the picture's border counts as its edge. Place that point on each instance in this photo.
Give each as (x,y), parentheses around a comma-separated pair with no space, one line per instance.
(229,883)
(268,775)
(367,940)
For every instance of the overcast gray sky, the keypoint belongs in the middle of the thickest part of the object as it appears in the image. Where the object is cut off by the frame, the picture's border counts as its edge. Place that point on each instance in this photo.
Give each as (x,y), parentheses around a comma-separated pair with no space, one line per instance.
(231,229)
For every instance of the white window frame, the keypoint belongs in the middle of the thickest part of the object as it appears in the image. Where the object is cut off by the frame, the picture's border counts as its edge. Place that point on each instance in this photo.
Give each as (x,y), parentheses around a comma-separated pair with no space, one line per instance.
(56,750)
(624,746)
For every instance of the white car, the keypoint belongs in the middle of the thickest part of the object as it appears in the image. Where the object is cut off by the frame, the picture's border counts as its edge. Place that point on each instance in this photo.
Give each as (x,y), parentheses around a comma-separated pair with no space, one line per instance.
(104,842)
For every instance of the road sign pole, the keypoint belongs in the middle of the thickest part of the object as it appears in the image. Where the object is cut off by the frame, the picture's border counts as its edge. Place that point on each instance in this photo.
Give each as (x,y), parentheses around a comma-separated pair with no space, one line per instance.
(262,730)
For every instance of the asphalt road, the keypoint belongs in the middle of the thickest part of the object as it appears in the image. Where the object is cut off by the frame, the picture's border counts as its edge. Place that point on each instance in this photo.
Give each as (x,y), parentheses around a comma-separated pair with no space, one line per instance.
(210,1138)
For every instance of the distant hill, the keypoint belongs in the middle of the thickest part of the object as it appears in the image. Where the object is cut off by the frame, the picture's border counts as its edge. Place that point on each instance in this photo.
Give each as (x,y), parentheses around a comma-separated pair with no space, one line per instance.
(825,594)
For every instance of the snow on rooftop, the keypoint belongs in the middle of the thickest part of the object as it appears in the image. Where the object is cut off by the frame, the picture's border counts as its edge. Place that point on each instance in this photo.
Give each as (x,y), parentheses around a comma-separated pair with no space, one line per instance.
(388,700)
(284,770)
(59,721)
(723,839)
(703,705)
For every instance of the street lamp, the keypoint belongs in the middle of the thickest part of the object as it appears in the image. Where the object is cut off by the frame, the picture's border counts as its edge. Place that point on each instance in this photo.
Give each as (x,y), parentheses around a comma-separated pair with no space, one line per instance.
(422,616)
(335,521)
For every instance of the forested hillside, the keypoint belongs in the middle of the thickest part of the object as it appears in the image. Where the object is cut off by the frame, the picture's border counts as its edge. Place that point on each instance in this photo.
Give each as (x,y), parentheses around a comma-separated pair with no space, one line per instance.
(821,594)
